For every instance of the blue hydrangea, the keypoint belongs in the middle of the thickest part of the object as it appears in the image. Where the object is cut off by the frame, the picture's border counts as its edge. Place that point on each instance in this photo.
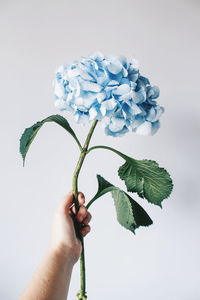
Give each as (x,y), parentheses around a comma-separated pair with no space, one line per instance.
(109,89)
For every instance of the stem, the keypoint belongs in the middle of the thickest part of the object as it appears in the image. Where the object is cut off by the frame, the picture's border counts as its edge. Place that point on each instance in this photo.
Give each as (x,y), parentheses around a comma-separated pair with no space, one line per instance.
(109,148)
(80,163)
(82,294)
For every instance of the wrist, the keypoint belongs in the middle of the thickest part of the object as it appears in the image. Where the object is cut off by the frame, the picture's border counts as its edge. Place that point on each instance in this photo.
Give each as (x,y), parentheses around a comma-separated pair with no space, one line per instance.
(63,254)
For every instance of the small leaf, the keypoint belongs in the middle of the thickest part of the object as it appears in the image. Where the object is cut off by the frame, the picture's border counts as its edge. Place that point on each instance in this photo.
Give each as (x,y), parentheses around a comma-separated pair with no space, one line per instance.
(30,133)
(147,179)
(103,187)
(129,213)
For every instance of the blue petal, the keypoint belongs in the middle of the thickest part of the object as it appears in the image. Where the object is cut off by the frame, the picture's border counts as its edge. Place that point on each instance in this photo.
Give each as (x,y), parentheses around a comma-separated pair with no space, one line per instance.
(91,86)
(123,61)
(155,127)
(119,133)
(139,96)
(137,121)
(109,104)
(83,104)
(62,105)
(115,67)
(113,83)
(134,63)
(153,92)
(101,96)
(151,114)
(81,117)
(58,90)
(144,129)
(144,80)
(122,89)
(97,55)
(154,113)
(136,109)
(73,72)
(116,124)
(95,113)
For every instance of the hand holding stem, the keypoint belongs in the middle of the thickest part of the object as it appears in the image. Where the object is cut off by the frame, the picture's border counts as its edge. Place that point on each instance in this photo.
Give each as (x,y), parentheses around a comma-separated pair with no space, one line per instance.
(52,278)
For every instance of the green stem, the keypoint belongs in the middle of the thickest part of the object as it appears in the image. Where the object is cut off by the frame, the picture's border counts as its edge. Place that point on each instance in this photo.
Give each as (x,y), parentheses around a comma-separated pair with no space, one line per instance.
(82,294)
(109,148)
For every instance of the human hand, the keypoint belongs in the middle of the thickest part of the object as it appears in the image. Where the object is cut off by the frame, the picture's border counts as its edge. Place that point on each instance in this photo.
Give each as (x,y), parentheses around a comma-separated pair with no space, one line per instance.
(64,239)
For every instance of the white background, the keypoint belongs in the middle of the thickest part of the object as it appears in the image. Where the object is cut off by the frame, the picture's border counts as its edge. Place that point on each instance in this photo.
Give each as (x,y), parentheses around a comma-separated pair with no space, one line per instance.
(160,262)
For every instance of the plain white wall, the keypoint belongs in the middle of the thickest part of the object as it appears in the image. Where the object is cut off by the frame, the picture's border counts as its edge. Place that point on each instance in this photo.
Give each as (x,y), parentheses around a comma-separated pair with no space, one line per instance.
(161,261)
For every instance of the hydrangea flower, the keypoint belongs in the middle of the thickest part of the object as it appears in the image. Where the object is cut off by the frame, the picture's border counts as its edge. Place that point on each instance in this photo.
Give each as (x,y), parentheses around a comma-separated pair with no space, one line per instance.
(109,89)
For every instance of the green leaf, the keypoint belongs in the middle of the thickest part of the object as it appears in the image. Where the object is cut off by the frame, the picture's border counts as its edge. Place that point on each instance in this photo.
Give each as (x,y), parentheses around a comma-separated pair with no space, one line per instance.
(144,177)
(147,179)
(103,187)
(129,213)
(30,133)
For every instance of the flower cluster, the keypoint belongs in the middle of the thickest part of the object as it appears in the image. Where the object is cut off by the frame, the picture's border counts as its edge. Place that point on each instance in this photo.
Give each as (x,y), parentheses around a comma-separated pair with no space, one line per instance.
(110,89)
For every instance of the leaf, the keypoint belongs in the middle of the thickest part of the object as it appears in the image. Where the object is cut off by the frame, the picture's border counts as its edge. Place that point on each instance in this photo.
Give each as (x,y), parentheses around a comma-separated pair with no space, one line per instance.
(129,213)
(30,133)
(147,179)
(144,177)
(103,187)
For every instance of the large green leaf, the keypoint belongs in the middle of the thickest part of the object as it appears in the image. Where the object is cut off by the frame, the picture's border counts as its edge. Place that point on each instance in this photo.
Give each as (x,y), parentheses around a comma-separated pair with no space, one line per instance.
(144,177)
(147,179)
(30,133)
(129,213)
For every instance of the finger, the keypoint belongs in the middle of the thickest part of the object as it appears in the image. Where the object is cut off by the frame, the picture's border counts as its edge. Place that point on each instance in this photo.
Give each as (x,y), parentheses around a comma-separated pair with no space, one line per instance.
(66,202)
(87,219)
(85,230)
(73,210)
(82,213)
(81,198)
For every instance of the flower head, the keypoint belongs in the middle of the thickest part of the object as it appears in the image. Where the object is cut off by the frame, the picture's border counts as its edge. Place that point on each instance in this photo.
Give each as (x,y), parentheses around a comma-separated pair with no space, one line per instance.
(109,89)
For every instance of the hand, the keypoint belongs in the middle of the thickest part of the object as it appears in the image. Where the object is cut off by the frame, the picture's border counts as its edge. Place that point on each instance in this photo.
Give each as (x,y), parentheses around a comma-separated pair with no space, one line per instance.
(64,239)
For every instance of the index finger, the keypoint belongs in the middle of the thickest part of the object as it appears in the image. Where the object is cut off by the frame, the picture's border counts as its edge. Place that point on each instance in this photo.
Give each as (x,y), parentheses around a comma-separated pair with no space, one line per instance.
(81,198)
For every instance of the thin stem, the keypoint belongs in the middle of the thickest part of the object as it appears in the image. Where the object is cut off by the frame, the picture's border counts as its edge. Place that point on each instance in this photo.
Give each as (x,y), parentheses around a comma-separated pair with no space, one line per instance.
(75,179)
(79,144)
(80,163)
(108,148)
(82,272)
(82,294)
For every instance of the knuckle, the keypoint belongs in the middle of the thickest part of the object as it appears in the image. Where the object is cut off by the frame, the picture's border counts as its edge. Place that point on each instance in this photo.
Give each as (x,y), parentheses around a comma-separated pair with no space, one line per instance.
(88,228)
(83,209)
(80,194)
